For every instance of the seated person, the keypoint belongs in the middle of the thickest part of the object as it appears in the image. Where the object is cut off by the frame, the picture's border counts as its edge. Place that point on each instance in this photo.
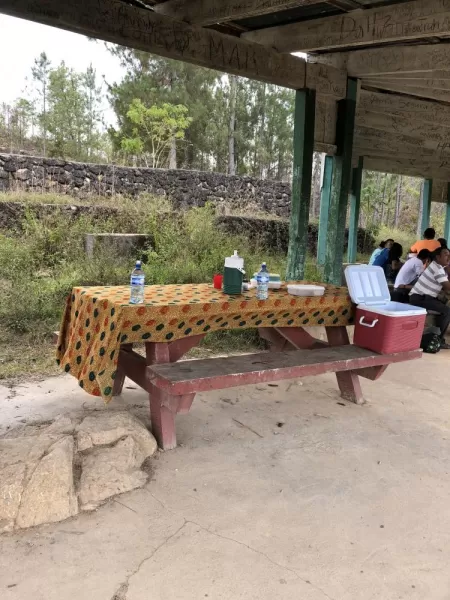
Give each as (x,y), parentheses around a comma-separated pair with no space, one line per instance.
(429,243)
(390,261)
(428,287)
(394,262)
(376,252)
(382,250)
(409,274)
(413,269)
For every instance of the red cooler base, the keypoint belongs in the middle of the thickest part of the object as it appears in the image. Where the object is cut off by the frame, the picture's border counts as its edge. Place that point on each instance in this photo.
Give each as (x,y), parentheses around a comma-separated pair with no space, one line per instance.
(389,334)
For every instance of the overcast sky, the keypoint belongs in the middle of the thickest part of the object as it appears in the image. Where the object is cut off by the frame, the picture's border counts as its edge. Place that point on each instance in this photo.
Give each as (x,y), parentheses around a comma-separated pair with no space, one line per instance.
(22,41)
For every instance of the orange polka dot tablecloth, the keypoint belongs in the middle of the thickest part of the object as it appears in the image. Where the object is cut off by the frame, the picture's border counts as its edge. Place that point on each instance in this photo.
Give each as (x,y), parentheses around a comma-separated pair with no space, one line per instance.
(98,320)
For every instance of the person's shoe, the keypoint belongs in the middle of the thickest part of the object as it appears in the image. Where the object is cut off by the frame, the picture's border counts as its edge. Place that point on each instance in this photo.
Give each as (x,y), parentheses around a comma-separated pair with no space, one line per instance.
(445,346)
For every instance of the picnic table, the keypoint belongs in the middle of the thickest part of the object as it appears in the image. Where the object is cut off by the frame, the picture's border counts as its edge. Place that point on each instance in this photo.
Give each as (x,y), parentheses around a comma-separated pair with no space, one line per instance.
(100,326)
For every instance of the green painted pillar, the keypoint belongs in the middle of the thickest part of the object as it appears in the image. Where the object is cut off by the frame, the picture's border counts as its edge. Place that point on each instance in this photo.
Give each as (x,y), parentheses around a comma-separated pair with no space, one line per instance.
(426,203)
(355,200)
(324,209)
(305,101)
(447,216)
(340,185)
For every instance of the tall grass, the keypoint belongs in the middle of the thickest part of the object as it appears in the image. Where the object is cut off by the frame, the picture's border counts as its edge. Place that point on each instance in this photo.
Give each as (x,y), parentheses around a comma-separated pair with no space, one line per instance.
(40,264)
(405,238)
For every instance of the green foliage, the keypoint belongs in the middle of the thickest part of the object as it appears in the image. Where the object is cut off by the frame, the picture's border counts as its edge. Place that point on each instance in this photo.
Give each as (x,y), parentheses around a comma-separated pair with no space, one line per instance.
(390,200)
(72,115)
(263,114)
(40,265)
(61,116)
(155,81)
(405,238)
(155,129)
(41,73)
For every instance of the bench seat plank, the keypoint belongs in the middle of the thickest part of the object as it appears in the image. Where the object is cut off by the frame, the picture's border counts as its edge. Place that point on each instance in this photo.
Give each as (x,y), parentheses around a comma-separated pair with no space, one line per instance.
(212,373)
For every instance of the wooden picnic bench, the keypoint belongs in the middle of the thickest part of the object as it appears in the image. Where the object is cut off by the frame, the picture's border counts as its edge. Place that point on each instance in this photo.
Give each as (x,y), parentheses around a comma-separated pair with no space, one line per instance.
(100,326)
(172,385)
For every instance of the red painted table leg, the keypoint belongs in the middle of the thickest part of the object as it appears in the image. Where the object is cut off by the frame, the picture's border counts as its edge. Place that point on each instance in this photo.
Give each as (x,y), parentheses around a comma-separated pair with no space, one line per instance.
(277,342)
(289,338)
(162,414)
(120,374)
(348,381)
(299,338)
(157,353)
(164,407)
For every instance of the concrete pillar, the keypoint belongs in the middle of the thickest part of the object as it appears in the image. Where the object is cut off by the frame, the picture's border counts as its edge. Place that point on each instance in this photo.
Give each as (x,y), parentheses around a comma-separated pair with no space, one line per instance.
(355,200)
(340,186)
(305,105)
(325,193)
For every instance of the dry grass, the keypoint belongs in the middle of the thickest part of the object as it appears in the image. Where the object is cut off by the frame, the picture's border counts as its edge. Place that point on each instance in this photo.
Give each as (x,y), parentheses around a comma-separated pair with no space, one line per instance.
(22,356)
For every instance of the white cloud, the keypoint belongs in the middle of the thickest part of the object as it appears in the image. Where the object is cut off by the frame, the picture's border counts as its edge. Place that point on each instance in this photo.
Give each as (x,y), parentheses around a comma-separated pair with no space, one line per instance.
(22,41)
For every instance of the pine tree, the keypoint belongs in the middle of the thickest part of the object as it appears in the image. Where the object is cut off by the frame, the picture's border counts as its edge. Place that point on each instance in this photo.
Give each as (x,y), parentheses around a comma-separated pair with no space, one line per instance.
(41,72)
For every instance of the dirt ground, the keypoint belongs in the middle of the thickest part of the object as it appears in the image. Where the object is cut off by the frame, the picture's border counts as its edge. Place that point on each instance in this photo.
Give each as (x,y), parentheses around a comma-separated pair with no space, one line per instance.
(282,492)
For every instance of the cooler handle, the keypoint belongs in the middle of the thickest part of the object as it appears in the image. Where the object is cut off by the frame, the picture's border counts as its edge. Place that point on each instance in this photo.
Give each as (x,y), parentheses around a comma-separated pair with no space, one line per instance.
(374,322)
(408,325)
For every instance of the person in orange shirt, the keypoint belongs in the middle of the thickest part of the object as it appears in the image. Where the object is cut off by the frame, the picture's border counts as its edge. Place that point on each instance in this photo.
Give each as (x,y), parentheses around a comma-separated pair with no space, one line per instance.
(428,243)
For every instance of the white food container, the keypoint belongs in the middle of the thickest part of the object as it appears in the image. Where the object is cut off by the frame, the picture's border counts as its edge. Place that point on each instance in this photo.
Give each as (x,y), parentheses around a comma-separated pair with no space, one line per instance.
(273,285)
(299,289)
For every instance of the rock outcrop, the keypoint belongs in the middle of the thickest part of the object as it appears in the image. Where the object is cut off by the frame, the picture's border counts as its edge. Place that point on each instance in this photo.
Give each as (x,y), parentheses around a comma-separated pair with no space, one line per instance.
(52,471)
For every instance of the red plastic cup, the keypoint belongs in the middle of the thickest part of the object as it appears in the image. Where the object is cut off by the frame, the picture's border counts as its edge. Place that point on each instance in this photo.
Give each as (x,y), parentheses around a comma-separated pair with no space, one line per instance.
(217,281)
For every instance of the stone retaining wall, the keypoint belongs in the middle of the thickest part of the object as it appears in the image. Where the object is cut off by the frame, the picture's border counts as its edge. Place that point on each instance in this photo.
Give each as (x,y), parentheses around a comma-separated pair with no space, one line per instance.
(185,188)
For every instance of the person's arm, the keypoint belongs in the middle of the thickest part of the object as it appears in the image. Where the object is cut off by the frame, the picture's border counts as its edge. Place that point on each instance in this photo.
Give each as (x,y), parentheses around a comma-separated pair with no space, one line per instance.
(442,278)
(419,268)
(414,248)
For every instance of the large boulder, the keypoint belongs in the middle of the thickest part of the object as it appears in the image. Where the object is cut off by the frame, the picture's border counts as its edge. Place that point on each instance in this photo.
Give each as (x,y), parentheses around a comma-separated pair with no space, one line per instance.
(11,488)
(47,470)
(106,428)
(110,471)
(50,494)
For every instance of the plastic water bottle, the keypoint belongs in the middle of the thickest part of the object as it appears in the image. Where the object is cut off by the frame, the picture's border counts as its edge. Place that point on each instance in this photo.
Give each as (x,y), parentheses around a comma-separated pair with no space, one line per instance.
(137,282)
(262,283)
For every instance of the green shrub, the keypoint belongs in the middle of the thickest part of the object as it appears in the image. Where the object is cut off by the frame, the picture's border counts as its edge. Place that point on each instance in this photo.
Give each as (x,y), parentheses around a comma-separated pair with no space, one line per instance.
(405,238)
(39,266)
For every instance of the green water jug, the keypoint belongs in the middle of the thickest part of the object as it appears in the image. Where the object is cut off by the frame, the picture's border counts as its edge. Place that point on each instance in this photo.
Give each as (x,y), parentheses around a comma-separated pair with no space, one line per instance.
(233,274)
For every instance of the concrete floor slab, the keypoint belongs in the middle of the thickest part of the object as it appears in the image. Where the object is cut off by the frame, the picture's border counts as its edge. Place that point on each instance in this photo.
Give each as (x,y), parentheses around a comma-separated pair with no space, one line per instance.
(274,492)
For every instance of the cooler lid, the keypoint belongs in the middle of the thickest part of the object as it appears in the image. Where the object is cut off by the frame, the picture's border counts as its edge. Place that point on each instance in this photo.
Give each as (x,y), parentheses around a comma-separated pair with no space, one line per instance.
(367,285)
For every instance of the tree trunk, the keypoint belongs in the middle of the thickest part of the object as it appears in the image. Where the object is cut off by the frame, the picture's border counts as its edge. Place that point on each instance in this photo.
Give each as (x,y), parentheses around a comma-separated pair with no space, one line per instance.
(316,183)
(45,121)
(388,202)
(419,218)
(232,126)
(383,205)
(262,167)
(398,199)
(173,154)
(376,207)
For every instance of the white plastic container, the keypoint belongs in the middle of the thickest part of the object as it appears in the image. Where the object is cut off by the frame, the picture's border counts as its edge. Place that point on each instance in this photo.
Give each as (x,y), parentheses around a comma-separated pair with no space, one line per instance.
(235,262)
(382,325)
(273,285)
(299,289)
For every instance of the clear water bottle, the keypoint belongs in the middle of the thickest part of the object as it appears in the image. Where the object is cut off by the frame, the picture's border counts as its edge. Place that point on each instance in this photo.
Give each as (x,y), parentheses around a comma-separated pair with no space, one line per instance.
(262,283)
(137,282)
